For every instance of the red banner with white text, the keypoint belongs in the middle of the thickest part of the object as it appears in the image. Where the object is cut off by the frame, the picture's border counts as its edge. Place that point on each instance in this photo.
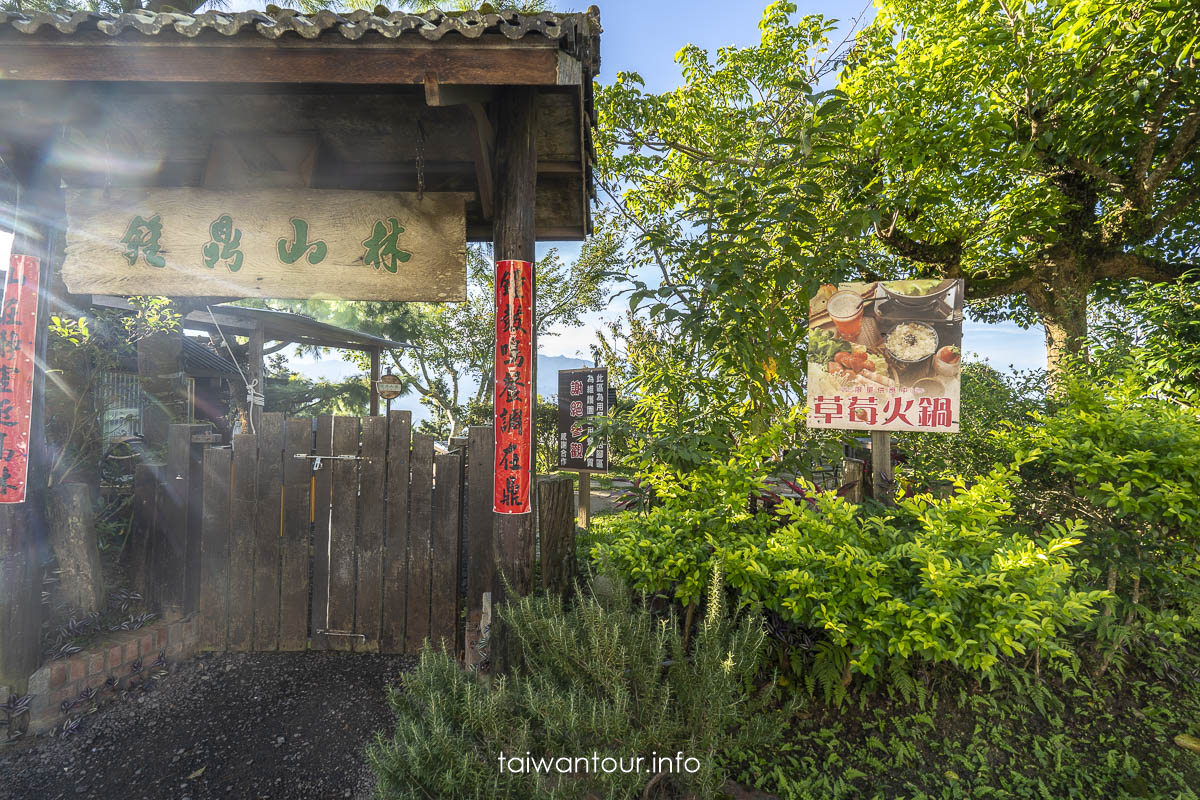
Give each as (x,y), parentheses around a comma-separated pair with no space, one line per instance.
(513,414)
(18,333)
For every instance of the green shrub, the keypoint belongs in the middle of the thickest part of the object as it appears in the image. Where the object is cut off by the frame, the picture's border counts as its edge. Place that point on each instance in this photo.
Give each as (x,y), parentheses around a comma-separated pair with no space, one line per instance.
(955,580)
(670,547)
(600,678)
(950,580)
(1129,464)
(990,399)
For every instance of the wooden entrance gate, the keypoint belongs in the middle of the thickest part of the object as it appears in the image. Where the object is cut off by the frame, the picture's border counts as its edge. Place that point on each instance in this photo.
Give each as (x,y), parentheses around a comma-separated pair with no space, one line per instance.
(339,533)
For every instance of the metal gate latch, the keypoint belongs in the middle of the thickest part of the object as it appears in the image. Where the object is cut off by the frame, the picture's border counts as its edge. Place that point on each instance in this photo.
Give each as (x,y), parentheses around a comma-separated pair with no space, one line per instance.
(318,459)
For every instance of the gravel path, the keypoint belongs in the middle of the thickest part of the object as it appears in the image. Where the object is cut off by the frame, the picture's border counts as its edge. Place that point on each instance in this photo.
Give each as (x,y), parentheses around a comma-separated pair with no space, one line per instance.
(283,726)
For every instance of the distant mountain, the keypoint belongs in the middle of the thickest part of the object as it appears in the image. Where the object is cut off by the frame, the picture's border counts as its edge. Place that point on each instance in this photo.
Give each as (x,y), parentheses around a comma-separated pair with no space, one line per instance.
(547,372)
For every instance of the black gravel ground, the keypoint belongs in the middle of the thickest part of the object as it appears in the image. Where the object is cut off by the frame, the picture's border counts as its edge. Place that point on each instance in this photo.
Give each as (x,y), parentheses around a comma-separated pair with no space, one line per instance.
(283,726)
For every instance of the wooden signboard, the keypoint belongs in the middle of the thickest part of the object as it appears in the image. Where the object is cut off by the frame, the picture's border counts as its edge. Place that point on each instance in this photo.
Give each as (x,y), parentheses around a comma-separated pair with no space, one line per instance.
(270,243)
(582,395)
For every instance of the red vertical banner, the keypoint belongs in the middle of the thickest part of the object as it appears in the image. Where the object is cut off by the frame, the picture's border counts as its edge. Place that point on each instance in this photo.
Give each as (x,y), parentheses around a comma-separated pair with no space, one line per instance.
(18,334)
(513,409)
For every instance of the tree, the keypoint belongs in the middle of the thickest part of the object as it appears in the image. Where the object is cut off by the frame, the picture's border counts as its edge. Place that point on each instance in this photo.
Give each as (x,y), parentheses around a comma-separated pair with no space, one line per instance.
(719,188)
(1153,330)
(450,363)
(1041,150)
(297,396)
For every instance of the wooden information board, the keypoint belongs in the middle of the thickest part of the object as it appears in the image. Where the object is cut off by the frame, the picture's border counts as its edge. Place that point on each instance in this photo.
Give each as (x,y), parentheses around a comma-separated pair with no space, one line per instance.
(270,243)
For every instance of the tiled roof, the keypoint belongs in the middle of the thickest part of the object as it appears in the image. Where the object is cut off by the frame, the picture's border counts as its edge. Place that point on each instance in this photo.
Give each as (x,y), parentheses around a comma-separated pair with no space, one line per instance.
(578,33)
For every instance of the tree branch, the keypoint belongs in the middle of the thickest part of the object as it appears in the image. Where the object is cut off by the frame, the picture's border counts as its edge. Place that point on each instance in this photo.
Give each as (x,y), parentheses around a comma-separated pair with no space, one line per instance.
(1184,140)
(1144,155)
(1094,170)
(1125,266)
(945,254)
(637,140)
(946,259)
(1163,218)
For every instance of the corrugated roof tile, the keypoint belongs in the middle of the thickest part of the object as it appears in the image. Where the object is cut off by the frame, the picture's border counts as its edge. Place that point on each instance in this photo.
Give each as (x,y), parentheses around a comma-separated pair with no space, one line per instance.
(578,32)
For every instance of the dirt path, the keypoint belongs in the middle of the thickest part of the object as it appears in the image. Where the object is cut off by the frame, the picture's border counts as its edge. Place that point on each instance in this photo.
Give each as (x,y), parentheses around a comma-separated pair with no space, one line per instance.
(286,726)
(605,500)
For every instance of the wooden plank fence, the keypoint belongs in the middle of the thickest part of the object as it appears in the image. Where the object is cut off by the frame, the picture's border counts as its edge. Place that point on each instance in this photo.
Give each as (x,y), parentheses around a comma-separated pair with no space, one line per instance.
(340,533)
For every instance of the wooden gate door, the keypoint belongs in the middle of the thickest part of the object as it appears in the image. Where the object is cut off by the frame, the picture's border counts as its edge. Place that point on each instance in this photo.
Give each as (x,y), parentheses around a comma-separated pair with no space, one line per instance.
(342,533)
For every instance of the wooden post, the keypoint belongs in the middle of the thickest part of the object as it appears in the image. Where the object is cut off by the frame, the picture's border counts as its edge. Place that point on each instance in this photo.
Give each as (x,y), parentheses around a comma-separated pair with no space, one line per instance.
(38,219)
(71,533)
(852,476)
(583,516)
(214,550)
(255,376)
(557,534)
(882,483)
(480,566)
(395,548)
(374,403)
(515,238)
(160,369)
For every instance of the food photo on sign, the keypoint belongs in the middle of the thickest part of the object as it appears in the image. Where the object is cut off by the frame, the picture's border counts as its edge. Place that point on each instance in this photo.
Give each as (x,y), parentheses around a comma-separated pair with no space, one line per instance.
(886,356)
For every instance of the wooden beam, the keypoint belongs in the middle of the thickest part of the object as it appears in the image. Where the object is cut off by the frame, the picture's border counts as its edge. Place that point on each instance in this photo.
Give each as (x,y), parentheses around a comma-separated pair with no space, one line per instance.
(485,146)
(183,62)
(432,95)
(261,162)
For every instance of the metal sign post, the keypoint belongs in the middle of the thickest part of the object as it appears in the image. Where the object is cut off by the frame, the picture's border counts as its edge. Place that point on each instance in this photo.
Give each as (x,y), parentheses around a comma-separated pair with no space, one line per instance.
(389,386)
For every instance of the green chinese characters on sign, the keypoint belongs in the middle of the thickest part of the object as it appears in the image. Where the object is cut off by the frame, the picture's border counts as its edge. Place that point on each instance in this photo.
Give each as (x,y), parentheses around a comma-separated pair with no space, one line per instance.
(291,252)
(141,239)
(224,244)
(383,248)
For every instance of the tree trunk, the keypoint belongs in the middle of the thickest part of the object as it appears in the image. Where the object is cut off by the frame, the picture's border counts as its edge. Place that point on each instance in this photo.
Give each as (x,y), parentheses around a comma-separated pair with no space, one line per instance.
(1065,337)
(1063,309)
(72,535)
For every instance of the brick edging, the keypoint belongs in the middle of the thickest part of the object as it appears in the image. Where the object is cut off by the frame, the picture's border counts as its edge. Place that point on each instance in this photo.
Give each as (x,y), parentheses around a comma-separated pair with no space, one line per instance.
(114,655)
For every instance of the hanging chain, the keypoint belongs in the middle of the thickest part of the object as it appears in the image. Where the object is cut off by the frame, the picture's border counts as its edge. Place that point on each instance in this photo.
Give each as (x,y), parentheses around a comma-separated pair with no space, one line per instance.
(420,159)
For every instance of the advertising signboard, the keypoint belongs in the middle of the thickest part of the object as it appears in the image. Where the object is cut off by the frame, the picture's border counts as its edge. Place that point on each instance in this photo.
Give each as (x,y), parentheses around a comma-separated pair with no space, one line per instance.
(886,356)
